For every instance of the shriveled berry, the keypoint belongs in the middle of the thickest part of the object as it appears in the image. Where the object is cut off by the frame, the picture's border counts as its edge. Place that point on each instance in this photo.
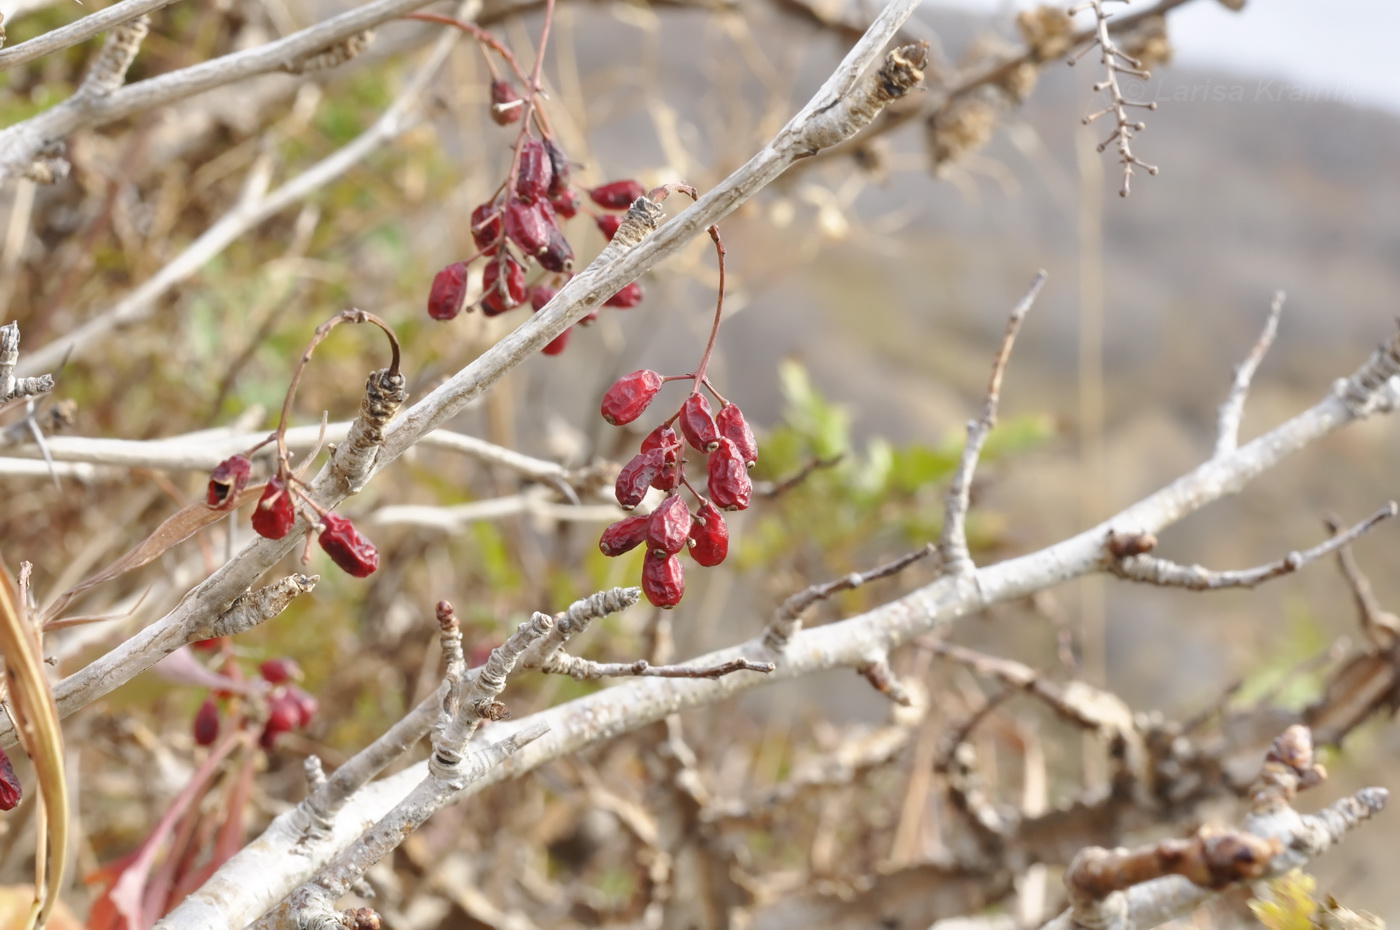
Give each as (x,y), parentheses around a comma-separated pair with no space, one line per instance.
(206,723)
(665,439)
(540,295)
(486,227)
(623,536)
(608,224)
(506,105)
(283,716)
(559,343)
(636,476)
(668,478)
(275,513)
(502,291)
(616,195)
(228,478)
(279,671)
(730,486)
(629,396)
(10,790)
(305,705)
(731,423)
(347,546)
(558,254)
(709,535)
(449,292)
(560,170)
(527,225)
(627,298)
(663,581)
(697,425)
(669,526)
(532,180)
(566,203)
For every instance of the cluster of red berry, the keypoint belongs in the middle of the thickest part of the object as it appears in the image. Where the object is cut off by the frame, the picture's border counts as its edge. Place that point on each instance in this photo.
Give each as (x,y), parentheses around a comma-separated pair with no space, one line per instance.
(288,707)
(521,224)
(276,512)
(731,450)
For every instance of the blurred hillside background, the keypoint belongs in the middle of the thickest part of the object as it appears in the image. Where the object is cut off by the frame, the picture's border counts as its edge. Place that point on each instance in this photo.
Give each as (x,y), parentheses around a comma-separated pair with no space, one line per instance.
(890,287)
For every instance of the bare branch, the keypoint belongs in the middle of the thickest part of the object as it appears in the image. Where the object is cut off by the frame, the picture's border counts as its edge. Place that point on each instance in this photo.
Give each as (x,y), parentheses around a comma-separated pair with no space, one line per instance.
(12,388)
(1228,437)
(952,546)
(883,679)
(561,663)
(1381,627)
(1115,62)
(66,36)
(1151,570)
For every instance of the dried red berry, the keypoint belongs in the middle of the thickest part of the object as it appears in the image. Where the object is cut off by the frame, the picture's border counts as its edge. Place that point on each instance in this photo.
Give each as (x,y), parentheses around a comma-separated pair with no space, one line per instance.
(731,423)
(10,790)
(486,227)
(527,225)
(560,169)
(500,293)
(206,723)
(730,487)
(627,298)
(566,203)
(697,424)
(283,716)
(663,581)
(669,526)
(710,536)
(532,180)
(540,295)
(275,513)
(449,292)
(347,546)
(305,705)
(559,343)
(210,645)
(623,536)
(665,439)
(558,254)
(506,105)
(228,478)
(630,396)
(616,195)
(279,671)
(608,225)
(668,478)
(636,476)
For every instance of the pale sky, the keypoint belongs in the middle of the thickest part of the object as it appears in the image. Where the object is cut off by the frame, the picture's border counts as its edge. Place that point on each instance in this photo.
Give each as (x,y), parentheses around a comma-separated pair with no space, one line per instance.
(1334,49)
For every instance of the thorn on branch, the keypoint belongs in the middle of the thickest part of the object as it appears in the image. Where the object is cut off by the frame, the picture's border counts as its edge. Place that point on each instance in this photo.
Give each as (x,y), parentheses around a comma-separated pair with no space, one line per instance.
(787,620)
(1151,570)
(883,679)
(952,545)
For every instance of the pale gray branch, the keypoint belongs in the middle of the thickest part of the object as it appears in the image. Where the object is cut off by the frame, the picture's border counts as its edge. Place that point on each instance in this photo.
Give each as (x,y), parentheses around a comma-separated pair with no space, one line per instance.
(1228,434)
(80,31)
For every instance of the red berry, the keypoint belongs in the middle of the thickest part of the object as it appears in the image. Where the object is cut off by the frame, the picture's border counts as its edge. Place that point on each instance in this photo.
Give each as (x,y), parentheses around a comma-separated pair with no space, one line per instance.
(210,645)
(710,536)
(228,478)
(283,716)
(560,169)
(616,195)
(558,254)
(275,513)
(630,396)
(279,671)
(10,790)
(486,227)
(623,536)
(540,295)
(636,476)
(506,105)
(668,478)
(348,547)
(500,293)
(206,723)
(627,298)
(566,203)
(697,424)
(527,225)
(449,292)
(532,181)
(669,526)
(559,343)
(608,225)
(663,581)
(665,439)
(730,487)
(731,423)
(304,704)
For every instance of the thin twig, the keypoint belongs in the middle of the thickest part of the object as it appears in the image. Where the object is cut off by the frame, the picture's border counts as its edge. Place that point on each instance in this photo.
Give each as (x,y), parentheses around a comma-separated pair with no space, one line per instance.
(1231,411)
(952,544)
(561,663)
(1151,570)
(80,31)
(1115,61)
(1381,627)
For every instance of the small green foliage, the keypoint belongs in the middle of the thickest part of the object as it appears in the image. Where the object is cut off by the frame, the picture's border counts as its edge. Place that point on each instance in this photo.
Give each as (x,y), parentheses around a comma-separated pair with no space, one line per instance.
(1291,906)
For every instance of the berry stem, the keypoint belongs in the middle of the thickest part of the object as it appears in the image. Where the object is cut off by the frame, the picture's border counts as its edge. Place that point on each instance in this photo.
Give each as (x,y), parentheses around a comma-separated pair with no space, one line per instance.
(704,365)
